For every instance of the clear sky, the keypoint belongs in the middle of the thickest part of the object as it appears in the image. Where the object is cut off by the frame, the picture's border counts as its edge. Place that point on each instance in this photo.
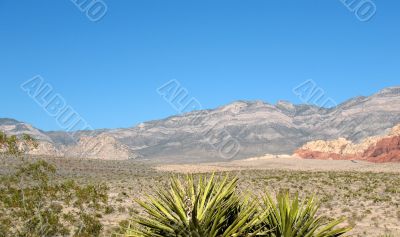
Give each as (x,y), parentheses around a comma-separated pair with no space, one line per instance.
(220,50)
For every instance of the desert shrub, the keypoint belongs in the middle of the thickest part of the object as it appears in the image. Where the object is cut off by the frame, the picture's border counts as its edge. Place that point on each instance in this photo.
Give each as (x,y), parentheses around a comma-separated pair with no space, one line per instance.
(213,207)
(16,146)
(203,208)
(33,204)
(3,137)
(292,218)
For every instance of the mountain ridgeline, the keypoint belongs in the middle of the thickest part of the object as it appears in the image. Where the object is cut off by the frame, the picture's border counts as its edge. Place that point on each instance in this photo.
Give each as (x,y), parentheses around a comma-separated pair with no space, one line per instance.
(257,127)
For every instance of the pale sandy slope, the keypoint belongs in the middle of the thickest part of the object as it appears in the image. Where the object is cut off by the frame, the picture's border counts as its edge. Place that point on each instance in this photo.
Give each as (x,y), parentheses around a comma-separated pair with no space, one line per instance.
(283,162)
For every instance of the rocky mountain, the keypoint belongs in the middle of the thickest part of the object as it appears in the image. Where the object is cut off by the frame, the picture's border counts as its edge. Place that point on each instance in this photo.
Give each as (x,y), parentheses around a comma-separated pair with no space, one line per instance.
(384,148)
(100,147)
(246,128)
(14,127)
(79,145)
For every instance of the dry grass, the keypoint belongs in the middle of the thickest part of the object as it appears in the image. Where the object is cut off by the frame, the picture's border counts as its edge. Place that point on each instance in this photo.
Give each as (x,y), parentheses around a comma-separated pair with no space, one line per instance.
(370,200)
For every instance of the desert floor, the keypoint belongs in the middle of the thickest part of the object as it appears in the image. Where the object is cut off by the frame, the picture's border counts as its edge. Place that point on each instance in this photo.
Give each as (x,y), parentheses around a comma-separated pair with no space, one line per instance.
(367,194)
(282,162)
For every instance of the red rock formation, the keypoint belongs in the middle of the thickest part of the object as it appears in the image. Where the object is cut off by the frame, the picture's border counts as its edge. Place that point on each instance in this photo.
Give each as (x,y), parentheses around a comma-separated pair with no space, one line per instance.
(385,150)
(382,149)
(309,154)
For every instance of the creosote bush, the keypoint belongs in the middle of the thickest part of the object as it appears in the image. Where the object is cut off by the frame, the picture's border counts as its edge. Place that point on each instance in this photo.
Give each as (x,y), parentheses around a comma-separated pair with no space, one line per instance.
(214,208)
(16,146)
(31,204)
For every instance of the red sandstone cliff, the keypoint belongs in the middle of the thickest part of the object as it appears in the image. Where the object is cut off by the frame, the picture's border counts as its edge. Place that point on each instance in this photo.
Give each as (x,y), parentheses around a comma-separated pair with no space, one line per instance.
(374,149)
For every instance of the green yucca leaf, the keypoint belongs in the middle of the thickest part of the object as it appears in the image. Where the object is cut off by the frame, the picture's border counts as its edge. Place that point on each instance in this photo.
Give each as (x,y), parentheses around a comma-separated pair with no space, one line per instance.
(211,207)
(290,218)
(206,208)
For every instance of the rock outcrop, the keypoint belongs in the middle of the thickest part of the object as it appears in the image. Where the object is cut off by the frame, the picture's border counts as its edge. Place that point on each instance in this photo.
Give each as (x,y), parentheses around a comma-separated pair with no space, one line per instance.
(375,149)
(258,127)
(48,149)
(385,150)
(100,147)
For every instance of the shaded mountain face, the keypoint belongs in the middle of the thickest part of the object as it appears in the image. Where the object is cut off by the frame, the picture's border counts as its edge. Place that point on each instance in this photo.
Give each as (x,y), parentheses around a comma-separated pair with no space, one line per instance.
(256,126)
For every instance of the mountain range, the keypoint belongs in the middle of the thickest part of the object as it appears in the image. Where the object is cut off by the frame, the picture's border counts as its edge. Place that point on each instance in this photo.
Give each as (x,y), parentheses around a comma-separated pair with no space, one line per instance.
(257,128)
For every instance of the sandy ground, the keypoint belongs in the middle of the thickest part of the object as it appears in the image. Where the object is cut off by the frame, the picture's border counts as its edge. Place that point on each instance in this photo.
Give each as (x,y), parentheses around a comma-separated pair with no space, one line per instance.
(366,194)
(283,162)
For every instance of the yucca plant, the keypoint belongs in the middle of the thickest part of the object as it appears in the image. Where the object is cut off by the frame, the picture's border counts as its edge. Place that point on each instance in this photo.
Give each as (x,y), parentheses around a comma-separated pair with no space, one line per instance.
(291,218)
(212,208)
(206,208)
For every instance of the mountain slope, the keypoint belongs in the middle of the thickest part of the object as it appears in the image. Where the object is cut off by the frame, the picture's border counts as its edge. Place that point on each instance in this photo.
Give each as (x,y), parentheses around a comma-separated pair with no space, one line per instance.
(264,128)
(258,127)
(14,127)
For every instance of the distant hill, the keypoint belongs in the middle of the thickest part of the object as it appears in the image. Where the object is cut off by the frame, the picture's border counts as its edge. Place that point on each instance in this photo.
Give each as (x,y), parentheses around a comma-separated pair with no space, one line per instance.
(258,128)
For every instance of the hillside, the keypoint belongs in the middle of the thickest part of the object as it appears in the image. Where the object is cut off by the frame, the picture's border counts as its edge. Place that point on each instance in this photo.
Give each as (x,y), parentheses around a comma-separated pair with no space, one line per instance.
(258,127)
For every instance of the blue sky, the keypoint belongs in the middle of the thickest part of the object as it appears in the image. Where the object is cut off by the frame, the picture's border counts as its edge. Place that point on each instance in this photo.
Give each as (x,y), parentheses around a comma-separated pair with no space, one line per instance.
(220,50)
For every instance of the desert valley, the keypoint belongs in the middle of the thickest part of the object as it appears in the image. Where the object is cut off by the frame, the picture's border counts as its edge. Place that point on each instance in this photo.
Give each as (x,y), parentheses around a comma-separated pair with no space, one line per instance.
(199,118)
(352,167)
